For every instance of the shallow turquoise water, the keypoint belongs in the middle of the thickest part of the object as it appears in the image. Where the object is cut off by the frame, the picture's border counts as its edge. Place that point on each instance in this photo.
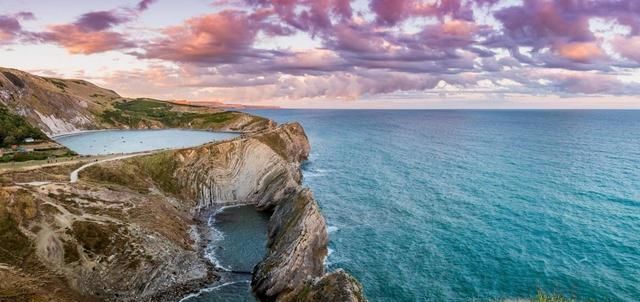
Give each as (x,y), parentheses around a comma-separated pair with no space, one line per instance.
(464,205)
(129,141)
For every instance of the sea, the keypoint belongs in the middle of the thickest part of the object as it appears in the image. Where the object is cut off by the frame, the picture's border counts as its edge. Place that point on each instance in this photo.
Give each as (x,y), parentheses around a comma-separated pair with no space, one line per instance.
(449,205)
(478,205)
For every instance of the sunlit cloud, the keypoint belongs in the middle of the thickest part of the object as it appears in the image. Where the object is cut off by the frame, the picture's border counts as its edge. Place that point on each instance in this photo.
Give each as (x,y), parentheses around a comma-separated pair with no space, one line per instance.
(342,51)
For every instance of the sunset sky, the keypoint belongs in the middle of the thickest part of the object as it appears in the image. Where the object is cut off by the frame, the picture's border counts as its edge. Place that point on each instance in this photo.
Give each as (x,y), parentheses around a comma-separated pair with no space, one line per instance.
(338,53)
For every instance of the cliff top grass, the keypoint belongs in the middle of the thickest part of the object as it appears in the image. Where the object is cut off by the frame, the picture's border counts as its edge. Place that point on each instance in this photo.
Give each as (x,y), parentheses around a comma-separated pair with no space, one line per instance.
(150,113)
(275,142)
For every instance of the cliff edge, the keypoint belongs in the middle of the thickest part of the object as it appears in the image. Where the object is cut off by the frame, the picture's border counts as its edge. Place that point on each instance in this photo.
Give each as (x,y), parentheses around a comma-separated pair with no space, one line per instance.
(127,230)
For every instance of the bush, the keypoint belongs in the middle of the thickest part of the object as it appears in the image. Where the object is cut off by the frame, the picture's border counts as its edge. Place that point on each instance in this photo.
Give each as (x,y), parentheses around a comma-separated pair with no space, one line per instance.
(14,129)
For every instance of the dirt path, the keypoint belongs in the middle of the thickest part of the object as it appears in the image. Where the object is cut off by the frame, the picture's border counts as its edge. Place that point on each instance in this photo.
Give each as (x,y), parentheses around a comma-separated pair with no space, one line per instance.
(37,164)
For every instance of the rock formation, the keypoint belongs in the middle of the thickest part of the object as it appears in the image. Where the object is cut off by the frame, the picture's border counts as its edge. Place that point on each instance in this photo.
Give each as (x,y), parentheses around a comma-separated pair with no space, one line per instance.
(125,231)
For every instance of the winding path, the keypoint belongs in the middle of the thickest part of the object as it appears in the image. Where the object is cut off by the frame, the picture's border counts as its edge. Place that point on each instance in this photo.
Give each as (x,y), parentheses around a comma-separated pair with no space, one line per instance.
(74,175)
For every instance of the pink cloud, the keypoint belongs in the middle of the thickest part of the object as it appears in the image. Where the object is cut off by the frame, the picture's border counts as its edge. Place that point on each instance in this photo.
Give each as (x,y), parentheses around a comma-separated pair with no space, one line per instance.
(219,37)
(78,41)
(628,47)
(581,51)
(10,27)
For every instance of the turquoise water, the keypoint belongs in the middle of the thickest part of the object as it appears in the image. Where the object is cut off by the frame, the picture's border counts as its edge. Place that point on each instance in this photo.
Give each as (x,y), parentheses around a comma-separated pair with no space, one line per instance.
(479,205)
(238,241)
(129,141)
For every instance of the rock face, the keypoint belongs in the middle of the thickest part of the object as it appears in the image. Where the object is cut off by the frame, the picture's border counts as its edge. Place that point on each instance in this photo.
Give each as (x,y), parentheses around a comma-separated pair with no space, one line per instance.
(264,170)
(125,231)
(336,286)
(97,241)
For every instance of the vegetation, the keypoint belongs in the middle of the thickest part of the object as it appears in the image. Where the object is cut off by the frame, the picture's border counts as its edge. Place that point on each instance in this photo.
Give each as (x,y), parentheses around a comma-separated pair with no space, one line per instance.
(160,167)
(14,245)
(36,155)
(98,238)
(119,174)
(275,142)
(152,112)
(58,83)
(545,297)
(70,252)
(14,129)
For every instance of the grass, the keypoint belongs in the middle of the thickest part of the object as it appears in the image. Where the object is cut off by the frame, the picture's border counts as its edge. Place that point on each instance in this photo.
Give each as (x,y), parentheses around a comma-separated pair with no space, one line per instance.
(14,129)
(100,239)
(37,155)
(149,112)
(122,175)
(14,245)
(275,142)
(58,83)
(545,297)
(160,167)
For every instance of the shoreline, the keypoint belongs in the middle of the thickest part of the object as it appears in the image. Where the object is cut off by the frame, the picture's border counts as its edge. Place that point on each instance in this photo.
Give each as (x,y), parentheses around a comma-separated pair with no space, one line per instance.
(81,132)
(205,228)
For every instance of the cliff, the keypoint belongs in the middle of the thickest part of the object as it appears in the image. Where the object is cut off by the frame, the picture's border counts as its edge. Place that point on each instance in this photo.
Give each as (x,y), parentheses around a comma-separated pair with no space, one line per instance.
(60,106)
(127,230)
(262,170)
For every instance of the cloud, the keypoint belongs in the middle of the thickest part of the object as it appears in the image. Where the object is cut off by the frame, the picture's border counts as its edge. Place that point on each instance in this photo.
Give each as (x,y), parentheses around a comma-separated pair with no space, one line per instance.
(10,27)
(214,38)
(359,49)
(628,47)
(144,4)
(79,41)
(581,51)
(92,32)
(100,20)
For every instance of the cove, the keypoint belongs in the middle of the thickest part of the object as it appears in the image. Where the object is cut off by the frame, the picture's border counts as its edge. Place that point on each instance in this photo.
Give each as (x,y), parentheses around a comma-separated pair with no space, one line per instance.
(236,242)
(131,141)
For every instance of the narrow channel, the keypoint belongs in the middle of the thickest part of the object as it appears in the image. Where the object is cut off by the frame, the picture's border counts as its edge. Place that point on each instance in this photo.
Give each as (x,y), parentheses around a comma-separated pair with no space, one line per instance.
(237,242)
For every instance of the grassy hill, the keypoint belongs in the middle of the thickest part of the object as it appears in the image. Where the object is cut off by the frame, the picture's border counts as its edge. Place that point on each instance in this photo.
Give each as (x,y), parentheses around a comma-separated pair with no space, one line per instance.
(59,106)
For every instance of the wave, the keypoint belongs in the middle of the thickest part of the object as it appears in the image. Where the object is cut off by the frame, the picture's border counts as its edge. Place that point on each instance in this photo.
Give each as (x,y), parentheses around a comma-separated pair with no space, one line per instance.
(210,289)
(332,229)
(327,261)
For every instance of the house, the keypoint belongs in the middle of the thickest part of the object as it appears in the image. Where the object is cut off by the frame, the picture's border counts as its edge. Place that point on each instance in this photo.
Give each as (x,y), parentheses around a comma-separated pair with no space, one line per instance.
(29,140)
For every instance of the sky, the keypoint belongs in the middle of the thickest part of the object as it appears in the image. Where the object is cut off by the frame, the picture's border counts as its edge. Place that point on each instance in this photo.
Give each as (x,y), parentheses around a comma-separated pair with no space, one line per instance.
(338,53)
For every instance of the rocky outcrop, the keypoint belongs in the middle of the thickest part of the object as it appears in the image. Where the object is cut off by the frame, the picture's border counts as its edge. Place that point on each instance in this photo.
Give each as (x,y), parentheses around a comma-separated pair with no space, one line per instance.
(297,247)
(336,286)
(125,231)
(261,169)
(264,170)
(107,243)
